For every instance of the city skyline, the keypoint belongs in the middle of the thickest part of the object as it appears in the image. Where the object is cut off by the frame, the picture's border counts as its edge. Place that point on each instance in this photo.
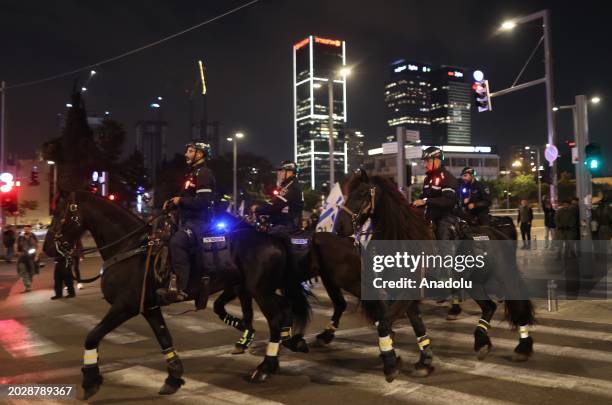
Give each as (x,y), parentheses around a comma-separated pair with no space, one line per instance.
(247,64)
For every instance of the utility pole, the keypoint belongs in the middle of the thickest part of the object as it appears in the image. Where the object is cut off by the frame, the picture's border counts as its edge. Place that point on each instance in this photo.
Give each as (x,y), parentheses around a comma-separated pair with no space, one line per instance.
(584,188)
(3,127)
(330,93)
(401,159)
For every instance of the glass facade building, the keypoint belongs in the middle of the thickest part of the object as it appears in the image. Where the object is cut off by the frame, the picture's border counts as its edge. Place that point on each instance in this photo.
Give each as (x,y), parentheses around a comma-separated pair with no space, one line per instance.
(317,60)
(434,101)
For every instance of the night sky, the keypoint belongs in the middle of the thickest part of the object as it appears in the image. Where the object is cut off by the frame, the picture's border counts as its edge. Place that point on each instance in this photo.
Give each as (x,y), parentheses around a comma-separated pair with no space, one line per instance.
(248,56)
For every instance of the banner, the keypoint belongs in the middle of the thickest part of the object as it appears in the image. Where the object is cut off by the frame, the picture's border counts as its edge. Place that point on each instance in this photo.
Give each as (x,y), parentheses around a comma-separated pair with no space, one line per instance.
(330,209)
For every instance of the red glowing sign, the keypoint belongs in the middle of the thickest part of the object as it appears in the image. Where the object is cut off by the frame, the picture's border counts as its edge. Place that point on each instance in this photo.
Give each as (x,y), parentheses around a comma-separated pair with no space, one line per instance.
(325,41)
(301,44)
(451,73)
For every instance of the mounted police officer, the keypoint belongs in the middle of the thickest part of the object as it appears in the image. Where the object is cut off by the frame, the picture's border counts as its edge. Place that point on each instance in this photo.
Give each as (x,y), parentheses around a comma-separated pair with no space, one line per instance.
(285,208)
(194,209)
(439,196)
(474,197)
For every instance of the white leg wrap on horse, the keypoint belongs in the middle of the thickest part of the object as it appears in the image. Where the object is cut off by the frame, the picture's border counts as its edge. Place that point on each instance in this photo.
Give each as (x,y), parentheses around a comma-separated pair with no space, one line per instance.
(272,349)
(385,343)
(524,331)
(423,342)
(90,357)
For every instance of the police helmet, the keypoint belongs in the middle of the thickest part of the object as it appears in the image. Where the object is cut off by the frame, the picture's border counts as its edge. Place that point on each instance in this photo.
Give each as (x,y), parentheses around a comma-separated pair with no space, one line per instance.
(288,165)
(201,146)
(468,170)
(432,152)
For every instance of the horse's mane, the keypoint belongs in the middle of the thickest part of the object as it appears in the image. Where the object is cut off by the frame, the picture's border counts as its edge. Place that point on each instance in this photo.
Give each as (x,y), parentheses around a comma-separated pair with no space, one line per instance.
(110,210)
(394,217)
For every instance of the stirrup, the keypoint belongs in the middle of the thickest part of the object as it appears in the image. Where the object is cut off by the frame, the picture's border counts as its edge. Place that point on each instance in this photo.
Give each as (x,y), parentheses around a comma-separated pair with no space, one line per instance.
(172,295)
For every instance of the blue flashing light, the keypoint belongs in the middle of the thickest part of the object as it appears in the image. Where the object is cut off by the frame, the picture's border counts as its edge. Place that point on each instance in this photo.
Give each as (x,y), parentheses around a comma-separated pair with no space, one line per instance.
(464,190)
(221,226)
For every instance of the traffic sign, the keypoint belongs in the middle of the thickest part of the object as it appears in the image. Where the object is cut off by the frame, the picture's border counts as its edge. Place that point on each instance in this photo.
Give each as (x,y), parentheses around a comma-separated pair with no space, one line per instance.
(551,153)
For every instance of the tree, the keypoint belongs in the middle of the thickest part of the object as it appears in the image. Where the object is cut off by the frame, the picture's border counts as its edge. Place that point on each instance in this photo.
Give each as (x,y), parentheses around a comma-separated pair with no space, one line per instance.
(131,175)
(109,138)
(311,199)
(524,186)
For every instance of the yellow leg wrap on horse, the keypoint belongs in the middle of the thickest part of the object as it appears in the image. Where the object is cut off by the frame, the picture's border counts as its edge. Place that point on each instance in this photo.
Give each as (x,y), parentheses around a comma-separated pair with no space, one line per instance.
(170,355)
(424,343)
(385,343)
(90,357)
(272,349)
(455,301)
(331,327)
(524,331)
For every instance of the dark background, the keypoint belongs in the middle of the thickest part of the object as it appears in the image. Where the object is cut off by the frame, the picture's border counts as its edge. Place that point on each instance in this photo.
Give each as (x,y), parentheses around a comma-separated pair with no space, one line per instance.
(248,56)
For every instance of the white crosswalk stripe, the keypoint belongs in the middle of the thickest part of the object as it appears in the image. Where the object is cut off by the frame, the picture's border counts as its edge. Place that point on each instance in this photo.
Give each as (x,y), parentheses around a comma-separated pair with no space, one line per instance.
(21,341)
(193,324)
(193,392)
(86,322)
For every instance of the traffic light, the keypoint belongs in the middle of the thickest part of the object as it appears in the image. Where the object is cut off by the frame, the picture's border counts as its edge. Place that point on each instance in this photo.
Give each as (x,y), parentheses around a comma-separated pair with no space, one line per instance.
(34,177)
(482,96)
(8,199)
(593,159)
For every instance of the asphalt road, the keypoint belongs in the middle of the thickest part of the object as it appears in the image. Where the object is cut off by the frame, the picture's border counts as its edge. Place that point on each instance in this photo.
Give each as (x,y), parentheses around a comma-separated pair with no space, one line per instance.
(42,341)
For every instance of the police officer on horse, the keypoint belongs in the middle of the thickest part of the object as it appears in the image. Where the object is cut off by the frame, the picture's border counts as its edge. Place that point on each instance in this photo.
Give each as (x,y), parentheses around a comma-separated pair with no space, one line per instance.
(474,197)
(194,210)
(285,208)
(439,196)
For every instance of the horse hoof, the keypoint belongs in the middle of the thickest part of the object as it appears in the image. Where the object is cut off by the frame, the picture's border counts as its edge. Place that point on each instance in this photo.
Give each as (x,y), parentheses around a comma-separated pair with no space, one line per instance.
(483,352)
(393,372)
(296,344)
(258,376)
(324,338)
(168,389)
(90,391)
(422,370)
(519,357)
(238,349)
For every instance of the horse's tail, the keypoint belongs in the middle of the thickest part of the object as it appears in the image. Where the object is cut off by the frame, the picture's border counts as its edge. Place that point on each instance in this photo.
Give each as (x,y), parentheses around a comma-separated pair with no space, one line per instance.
(294,290)
(519,312)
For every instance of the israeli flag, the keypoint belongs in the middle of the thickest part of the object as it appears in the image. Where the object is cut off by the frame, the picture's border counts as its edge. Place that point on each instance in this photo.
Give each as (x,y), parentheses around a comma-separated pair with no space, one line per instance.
(241,209)
(330,209)
(365,233)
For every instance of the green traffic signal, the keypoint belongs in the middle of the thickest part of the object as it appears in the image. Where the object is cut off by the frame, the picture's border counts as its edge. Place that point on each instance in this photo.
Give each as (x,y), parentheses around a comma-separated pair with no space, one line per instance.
(593,160)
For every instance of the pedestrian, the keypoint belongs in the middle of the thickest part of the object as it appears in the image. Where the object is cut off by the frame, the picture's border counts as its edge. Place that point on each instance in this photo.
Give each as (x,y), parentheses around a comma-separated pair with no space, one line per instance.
(567,224)
(525,218)
(63,275)
(8,239)
(28,251)
(575,205)
(603,216)
(549,224)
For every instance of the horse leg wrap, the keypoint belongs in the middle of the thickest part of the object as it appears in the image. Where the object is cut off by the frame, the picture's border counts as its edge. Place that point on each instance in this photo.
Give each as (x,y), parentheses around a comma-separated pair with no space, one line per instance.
(524,331)
(233,321)
(175,368)
(247,338)
(90,357)
(91,376)
(385,344)
(426,354)
(285,333)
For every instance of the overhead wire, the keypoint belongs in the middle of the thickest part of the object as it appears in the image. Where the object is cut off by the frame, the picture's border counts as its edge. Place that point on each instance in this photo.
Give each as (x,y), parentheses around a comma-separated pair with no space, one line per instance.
(133,51)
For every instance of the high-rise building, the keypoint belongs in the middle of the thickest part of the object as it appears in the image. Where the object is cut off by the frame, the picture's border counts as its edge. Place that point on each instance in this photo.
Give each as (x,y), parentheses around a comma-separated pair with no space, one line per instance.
(434,101)
(317,60)
(407,97)
(451,103)
(151,142)
(355,148)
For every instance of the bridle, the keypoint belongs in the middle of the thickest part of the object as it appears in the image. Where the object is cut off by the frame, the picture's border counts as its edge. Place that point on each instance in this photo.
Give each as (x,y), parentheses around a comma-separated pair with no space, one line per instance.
(367,208)
(71,213)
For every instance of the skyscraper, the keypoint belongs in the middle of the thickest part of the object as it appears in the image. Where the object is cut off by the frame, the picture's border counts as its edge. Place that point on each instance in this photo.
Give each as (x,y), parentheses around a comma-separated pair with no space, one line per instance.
(316,60)
(434,101)
(407,97)
(151,142)
(355,148)
(451,103)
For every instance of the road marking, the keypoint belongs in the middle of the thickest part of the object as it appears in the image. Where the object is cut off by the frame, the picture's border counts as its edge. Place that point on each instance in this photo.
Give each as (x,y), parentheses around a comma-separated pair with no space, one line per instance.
(193,392)
(554,330)
(120,336)
(194,324)
(21,341)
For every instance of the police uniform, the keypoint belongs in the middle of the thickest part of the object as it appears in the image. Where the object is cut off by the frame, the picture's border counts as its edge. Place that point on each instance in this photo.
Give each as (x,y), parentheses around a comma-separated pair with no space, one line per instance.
(440,198)
(193,212)
(477,194)
(285,208)
(26,268)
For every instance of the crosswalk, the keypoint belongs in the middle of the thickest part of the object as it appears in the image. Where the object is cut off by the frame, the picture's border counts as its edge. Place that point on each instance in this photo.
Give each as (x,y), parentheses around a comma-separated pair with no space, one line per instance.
(568,360)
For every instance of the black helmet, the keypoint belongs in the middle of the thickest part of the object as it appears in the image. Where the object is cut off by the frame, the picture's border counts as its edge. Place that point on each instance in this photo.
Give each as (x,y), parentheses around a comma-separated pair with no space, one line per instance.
(469,170)
(432,152)
(288,165)
(201,146)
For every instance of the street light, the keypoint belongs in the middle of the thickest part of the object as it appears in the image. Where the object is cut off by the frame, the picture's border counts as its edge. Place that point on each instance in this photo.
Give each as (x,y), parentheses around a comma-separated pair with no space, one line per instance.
(52,164)
(509,25)
(595,100)
(342,73)
(237,135)
(93,72)
(517,163)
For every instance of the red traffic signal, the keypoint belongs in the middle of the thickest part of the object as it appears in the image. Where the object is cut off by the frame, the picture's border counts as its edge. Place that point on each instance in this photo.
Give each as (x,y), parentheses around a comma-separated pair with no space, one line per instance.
(570,144)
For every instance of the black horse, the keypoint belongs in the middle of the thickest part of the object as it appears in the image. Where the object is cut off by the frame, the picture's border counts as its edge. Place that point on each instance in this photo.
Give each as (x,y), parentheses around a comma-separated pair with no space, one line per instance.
(261,264)
(378,199)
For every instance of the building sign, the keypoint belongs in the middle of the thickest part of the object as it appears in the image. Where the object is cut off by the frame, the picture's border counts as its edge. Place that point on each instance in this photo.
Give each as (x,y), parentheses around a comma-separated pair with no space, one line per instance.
(325,41)
(301,44)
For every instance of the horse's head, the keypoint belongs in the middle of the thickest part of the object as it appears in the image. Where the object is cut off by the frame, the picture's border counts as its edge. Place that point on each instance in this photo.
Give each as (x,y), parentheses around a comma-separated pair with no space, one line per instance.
(66,226)
(361,199)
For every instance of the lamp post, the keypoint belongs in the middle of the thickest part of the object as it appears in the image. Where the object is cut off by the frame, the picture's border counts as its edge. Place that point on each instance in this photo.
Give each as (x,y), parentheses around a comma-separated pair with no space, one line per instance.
(548,81)
(52,164)
(237,135)
(584,189)
(342,73)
